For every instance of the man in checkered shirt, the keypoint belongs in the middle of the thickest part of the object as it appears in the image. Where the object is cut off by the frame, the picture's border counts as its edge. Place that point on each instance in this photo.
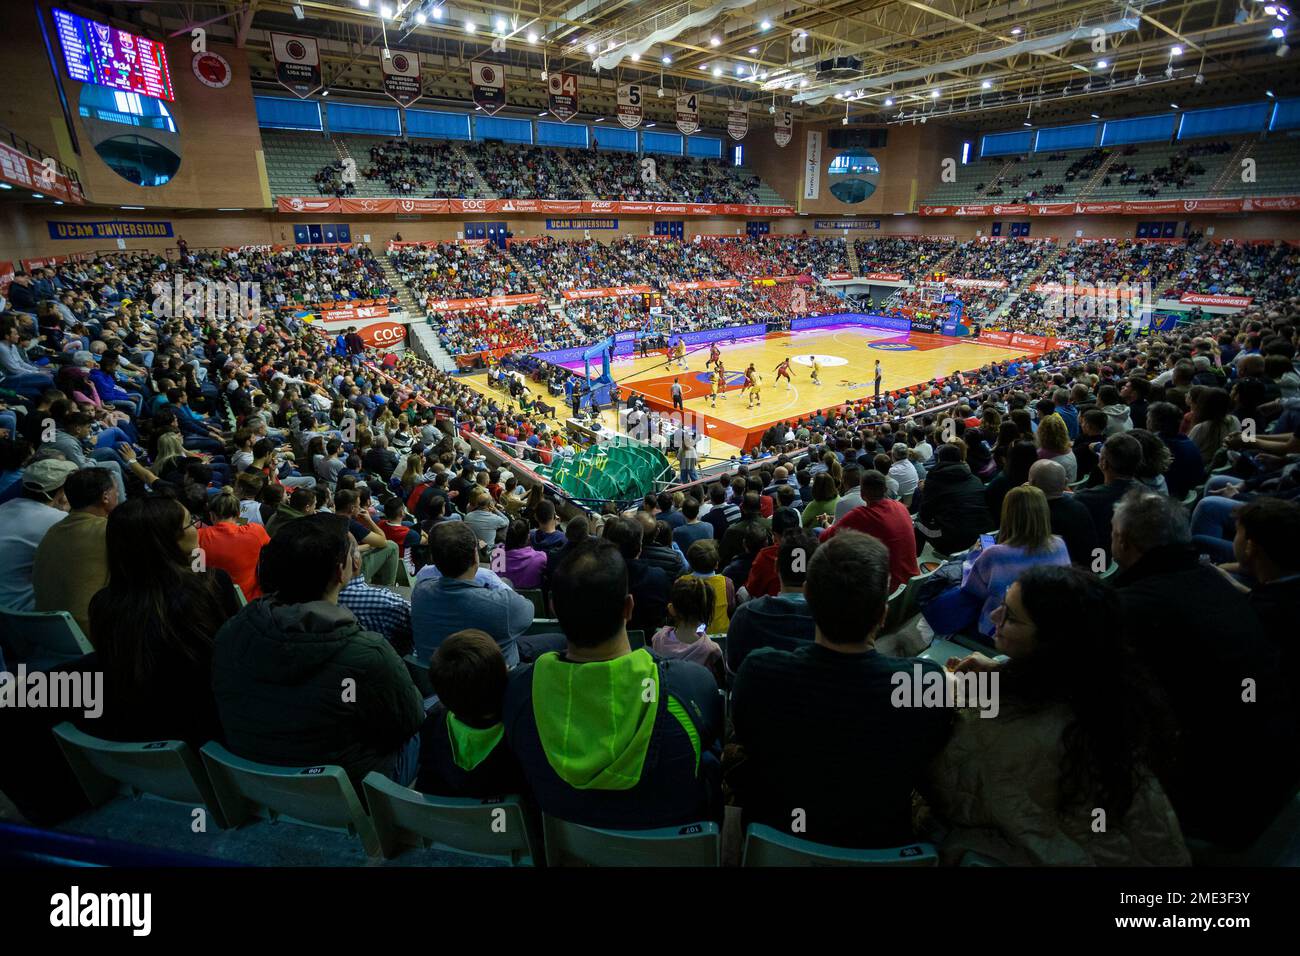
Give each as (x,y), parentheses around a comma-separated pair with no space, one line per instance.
(378,609)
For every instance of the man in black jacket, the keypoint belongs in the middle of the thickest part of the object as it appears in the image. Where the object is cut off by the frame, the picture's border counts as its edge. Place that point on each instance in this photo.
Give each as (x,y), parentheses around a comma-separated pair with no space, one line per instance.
(1070,519)
(1235,762)
(648,585)
(1121,457)
(953,512)
(1268,530)
(296,679)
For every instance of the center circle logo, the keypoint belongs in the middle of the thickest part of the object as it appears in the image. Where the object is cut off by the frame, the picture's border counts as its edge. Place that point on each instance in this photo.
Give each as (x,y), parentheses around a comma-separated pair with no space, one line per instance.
(893,346)
(823,360)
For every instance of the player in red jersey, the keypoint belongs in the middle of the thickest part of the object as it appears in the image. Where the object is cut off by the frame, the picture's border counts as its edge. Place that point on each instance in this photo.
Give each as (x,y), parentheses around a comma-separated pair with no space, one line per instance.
(783,372)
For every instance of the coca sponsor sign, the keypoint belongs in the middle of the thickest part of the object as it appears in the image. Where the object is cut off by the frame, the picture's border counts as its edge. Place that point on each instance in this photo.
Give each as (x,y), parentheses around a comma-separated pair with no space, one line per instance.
(355,313)
(1221,301)
(703,284)
(611,292)
(883,276)
(483,302)
(384,335)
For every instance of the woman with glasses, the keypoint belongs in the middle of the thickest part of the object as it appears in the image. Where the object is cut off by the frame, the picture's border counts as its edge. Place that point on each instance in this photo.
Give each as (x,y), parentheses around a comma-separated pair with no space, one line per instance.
(1064,771)
(153,625)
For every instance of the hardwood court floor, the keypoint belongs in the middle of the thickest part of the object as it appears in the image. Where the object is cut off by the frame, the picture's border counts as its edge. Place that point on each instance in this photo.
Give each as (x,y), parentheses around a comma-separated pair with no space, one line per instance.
(847,355)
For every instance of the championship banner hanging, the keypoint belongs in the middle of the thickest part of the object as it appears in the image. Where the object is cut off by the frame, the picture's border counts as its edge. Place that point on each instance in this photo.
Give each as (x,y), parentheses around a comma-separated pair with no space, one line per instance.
(489,82)
(688,113)
(784,127)
(297,63)
(737,121)
(563,88)
(402,77)
(629,105)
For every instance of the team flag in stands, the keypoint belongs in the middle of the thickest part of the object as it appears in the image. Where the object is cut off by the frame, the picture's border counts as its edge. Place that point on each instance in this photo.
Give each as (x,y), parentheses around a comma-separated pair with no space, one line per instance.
(563,88)
(784,127)
(402,77)
(489,82)
(629,105)
(688,113)
(297,63)
(738,120)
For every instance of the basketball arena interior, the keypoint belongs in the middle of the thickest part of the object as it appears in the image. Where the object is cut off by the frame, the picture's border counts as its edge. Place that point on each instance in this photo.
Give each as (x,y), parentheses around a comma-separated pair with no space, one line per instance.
(391,391)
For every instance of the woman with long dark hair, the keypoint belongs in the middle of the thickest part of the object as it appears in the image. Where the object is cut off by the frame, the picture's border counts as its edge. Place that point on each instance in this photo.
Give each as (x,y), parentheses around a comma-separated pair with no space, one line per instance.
(153,625)
(1065,772)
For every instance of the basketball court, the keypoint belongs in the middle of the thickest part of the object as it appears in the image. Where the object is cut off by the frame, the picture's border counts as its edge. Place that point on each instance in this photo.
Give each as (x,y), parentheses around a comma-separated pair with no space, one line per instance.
(847,355)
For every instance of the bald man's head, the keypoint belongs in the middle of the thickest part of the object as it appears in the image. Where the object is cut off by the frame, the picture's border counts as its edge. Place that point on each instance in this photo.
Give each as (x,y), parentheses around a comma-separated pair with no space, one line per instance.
(1049,477)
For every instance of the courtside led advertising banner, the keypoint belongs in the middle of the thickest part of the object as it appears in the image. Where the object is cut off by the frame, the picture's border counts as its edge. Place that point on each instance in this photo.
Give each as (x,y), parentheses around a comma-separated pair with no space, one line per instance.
(402,77)
(563,88)
(784,127)
(629,105)
(297,63)
(489,82)
(688,113)
(738,121)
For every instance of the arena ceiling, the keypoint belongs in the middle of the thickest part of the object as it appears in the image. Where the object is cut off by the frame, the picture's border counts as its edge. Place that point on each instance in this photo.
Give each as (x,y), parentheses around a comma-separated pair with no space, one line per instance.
(956,62)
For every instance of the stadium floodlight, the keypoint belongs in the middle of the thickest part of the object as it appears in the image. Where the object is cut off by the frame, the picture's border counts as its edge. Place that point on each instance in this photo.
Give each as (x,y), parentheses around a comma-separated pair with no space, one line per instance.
(765,25)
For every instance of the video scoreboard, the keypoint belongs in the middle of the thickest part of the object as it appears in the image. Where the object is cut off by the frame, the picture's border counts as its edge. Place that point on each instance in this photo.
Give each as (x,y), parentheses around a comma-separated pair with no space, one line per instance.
(97,53)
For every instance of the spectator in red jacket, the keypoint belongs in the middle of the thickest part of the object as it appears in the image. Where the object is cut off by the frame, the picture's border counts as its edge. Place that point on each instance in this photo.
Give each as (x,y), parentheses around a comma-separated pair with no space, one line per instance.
(887,520)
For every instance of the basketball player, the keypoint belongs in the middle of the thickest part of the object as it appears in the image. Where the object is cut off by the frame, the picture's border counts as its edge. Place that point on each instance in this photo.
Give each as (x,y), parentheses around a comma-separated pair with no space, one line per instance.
(714,356)
(783,372)
(681,354)
(755,388)
(816,370)
(719,383)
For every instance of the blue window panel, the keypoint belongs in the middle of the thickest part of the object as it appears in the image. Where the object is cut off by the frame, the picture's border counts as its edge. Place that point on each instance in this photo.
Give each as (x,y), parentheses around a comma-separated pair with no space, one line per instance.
(276,112)
(1082,136)
(704,147)
(506,130)
(1225,120)
(1139,129)
(562,134)
(615,137)
(653,142)
(1007,144)
(431,124)
(1286,115)
(354,118)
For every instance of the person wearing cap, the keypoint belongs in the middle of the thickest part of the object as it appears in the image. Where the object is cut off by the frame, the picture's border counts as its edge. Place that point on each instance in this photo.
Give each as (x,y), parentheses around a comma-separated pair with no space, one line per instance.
(763,578)
(24,522)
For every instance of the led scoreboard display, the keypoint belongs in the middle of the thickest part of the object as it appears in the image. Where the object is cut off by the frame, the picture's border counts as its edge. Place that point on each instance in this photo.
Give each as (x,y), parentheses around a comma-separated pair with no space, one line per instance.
(103,55)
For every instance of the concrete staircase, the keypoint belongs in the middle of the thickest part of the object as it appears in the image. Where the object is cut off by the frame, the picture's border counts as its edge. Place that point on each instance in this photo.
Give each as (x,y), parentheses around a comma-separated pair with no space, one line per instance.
(1097,177)
(484,189)
(767,196)
(1232,168)
(588,191)
(533,284)
(423,338)
(855,267)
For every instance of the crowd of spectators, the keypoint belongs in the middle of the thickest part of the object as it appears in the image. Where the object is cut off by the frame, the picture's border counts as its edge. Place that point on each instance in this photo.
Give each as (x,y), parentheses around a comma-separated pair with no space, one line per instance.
(454,270)
(426,169)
